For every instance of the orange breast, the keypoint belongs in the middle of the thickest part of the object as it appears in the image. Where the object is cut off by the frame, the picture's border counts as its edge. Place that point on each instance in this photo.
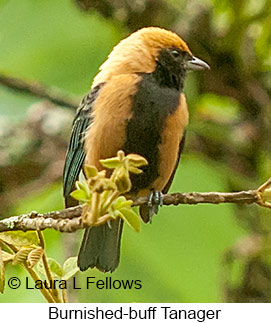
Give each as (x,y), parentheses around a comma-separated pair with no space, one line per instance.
(112,109)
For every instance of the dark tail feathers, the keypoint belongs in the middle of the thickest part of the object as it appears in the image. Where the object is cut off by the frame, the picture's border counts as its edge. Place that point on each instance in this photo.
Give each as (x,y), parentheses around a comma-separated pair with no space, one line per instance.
(100,247)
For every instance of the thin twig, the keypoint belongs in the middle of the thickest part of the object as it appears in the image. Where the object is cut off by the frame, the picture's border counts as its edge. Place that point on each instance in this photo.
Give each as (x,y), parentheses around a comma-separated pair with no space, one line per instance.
(39,90)
(69,220)
(46,294)
(49,276)
(64,296)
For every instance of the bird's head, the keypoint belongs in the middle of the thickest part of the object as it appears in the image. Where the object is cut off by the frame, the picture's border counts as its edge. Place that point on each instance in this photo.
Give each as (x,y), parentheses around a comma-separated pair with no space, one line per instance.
(146,49)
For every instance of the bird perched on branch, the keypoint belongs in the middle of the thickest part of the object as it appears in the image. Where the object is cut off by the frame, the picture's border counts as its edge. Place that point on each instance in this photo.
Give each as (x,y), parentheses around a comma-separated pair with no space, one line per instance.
(136,104)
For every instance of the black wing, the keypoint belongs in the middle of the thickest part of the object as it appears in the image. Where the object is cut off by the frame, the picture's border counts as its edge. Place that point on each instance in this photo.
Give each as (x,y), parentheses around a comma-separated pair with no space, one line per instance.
(75,154)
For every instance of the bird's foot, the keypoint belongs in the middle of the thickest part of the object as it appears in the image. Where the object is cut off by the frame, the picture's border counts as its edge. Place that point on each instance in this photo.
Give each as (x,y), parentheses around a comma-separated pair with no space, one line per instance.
(154,201)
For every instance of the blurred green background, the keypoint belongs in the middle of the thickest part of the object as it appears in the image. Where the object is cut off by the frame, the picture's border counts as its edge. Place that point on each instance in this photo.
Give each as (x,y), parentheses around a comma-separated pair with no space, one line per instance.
(180,257)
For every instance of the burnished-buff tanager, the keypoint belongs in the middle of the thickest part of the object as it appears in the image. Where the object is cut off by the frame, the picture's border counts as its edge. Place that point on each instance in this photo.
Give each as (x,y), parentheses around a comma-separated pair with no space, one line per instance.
(136,104)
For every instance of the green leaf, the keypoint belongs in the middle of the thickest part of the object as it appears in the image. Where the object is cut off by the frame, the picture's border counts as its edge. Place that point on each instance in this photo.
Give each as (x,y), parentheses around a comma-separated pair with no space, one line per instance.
(84,186)
(116,214)
(70,268)
(20,238)
(136,160)
(2,273)
(80,195)
(135,170)
(111,212)
(40,268)
(54,266)
(90,171)
(77,185)
(121,202)
(131,218)
(110,162)
(80,186)
(118,202)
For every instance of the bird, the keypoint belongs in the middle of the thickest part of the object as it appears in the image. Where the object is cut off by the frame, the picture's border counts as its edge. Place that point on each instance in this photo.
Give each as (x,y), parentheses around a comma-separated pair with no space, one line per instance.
(136,104)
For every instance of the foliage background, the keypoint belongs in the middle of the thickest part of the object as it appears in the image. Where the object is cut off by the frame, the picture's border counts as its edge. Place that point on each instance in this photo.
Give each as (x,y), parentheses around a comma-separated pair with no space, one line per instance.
(203,253)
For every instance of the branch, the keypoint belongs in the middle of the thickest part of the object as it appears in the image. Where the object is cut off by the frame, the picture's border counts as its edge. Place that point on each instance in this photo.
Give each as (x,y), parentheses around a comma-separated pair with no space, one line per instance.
(32,151)
(38,90)
(69,220)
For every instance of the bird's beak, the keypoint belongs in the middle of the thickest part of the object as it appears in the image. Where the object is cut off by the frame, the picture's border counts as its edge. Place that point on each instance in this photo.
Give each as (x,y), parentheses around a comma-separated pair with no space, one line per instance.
(196,64)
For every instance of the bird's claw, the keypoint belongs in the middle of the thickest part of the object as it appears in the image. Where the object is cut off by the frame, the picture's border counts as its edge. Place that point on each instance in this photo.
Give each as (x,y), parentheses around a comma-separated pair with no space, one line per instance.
(154,201)
(109,224)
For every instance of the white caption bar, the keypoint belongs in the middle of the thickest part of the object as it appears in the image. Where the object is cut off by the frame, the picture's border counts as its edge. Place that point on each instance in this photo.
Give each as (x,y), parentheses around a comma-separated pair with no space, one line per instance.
(134,312)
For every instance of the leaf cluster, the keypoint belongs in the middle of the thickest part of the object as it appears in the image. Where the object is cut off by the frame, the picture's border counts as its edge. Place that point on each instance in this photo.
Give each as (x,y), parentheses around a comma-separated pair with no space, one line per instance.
(103,197)
(27,249)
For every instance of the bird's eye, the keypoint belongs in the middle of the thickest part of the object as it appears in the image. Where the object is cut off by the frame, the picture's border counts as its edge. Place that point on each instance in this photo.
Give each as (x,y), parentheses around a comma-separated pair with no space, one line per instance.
(175,53)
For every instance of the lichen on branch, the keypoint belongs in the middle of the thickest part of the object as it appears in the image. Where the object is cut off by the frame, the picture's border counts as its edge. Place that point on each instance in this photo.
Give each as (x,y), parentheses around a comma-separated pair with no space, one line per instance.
(69,220)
